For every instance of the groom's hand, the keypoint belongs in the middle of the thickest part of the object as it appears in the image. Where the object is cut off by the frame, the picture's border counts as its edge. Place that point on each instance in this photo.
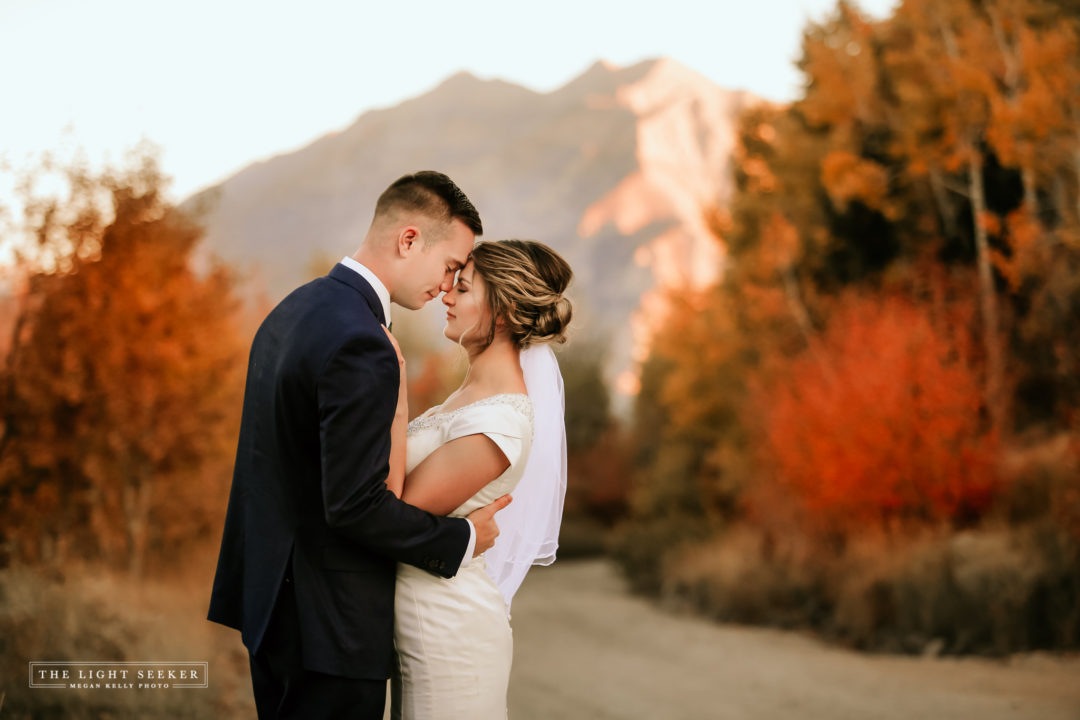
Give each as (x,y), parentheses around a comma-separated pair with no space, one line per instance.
(483,521)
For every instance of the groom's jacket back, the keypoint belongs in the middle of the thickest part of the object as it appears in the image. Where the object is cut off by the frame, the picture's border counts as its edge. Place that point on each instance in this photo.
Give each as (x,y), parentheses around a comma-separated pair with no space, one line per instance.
(309,500)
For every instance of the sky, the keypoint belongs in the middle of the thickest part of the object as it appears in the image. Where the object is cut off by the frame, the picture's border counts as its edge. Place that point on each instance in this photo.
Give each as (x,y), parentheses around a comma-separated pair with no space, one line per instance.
(219,84)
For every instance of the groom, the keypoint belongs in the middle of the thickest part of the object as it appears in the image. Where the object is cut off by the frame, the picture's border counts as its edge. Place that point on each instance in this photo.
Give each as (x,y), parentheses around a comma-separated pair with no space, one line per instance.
(312,535)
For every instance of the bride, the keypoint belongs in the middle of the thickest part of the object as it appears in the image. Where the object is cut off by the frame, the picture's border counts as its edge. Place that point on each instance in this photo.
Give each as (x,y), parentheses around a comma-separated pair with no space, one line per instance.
(501,431)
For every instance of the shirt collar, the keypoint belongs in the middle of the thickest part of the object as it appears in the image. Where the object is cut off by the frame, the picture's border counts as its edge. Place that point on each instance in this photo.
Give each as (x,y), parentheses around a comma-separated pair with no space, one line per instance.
(374,281)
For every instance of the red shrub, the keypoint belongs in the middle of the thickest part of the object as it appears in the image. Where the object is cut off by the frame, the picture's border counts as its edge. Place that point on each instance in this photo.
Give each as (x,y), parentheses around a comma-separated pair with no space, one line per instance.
(879,420)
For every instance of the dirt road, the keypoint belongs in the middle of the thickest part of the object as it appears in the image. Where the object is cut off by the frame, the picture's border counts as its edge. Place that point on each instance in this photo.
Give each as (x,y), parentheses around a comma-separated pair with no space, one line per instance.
(584,648)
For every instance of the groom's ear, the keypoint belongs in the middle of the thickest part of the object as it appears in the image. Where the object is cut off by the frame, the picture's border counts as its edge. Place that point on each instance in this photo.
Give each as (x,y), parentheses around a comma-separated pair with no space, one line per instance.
(408,237)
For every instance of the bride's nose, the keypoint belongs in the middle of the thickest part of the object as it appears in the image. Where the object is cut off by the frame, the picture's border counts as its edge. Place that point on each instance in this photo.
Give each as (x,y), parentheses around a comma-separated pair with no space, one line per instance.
(447,298)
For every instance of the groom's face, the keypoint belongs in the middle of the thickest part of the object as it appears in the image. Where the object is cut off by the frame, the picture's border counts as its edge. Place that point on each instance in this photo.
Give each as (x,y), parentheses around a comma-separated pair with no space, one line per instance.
(432,266)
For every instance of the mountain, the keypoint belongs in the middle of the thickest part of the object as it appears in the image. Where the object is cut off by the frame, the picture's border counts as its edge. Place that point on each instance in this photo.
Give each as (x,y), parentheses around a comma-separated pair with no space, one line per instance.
(613,169)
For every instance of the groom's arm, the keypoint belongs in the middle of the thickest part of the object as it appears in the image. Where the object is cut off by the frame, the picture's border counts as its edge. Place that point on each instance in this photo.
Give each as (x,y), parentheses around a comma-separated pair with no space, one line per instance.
(357,397)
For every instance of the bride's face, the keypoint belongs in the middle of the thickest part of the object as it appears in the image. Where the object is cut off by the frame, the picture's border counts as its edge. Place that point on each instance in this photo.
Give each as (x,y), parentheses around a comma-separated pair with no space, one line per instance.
(468,318)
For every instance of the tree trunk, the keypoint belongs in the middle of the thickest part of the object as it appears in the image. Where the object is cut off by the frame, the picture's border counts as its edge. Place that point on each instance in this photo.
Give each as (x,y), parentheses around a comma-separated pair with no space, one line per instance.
(1031,199)
(1012,58)
(7,375)
(137,513)
(976,192)
(941,198)
(1076,160)
(1060,199)
(795,304)
(802,318)
(988,297)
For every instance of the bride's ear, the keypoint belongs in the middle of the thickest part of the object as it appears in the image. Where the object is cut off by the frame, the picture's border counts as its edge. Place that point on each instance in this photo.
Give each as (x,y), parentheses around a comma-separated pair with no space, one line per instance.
(500,320)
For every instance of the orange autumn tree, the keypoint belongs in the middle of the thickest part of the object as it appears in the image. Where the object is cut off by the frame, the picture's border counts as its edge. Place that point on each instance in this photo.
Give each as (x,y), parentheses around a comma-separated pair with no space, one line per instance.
(832,388)
(119,391)
(877,423)
(945,133)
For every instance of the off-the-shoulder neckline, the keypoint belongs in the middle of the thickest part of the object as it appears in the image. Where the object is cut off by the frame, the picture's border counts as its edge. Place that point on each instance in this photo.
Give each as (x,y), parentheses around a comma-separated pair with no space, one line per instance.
(518,401)
(436,411)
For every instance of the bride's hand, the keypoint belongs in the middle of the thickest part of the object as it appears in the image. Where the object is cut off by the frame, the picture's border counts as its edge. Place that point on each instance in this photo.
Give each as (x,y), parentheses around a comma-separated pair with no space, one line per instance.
(395,479)
(397,348)
(403,386)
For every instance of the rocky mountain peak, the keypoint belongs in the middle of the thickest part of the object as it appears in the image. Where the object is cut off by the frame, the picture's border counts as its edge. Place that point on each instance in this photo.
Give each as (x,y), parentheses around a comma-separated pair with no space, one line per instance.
(615,170)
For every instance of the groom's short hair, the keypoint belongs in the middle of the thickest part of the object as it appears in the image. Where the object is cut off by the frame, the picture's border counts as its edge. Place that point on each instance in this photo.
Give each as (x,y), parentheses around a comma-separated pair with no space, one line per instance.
(430,193)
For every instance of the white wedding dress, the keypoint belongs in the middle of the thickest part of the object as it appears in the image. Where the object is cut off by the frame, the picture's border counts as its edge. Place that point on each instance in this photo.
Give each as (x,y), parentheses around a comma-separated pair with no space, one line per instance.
(452,636)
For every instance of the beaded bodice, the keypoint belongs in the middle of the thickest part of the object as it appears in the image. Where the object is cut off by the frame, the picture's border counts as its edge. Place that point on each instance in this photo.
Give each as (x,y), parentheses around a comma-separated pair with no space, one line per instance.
(434,416)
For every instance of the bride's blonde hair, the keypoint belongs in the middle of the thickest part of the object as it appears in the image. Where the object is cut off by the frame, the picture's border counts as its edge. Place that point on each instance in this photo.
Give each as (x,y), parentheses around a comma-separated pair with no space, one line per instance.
(525,281)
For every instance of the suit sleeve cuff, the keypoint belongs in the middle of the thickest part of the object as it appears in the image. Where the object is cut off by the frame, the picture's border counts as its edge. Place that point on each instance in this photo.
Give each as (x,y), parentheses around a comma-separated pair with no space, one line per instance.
(470,547)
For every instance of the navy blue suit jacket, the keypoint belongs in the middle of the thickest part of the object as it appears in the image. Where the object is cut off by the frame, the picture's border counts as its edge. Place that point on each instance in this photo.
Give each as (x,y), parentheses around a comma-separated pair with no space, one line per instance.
(308,492)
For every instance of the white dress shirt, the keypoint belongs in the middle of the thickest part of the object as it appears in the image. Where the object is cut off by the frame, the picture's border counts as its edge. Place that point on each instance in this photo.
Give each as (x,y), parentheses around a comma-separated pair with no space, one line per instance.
(384,298)
(374,281)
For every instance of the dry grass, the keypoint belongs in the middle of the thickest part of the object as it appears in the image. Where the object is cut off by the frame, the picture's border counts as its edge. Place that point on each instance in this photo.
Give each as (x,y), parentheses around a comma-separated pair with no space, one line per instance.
(1012,584)
(83,614)
(989,592)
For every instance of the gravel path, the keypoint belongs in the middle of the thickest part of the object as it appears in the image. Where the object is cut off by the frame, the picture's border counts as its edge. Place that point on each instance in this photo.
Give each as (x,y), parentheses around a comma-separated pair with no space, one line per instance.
(585,648)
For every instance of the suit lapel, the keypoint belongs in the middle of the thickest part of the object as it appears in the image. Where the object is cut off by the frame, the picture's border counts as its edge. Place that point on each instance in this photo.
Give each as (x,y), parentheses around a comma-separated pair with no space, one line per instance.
(351,278)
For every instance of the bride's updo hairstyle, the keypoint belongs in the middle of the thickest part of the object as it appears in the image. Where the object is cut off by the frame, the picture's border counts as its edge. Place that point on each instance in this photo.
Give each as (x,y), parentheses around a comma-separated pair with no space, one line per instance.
(525,280)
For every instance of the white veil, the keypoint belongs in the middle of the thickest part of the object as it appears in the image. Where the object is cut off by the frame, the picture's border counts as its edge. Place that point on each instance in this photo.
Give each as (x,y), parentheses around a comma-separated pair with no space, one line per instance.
(529,526)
